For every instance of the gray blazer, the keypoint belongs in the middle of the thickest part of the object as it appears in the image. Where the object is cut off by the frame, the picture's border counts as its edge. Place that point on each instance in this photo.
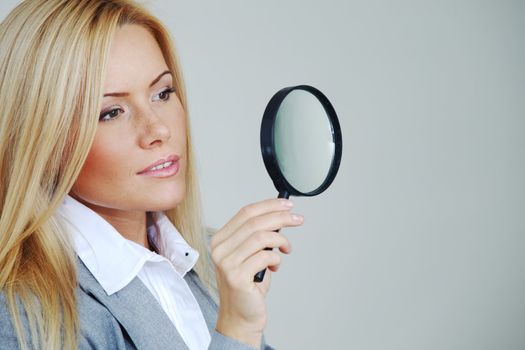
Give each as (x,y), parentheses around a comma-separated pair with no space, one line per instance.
(128,319)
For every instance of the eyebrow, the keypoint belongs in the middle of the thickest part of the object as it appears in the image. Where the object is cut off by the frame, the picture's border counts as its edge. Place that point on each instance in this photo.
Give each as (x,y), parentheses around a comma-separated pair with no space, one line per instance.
(122,94)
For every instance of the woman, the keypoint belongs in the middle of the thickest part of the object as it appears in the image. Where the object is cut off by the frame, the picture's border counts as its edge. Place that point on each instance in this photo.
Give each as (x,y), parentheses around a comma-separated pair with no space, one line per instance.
(101,243)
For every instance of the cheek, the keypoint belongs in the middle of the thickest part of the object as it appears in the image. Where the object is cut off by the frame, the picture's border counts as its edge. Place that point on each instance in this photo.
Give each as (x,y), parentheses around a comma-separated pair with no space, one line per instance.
(105,166)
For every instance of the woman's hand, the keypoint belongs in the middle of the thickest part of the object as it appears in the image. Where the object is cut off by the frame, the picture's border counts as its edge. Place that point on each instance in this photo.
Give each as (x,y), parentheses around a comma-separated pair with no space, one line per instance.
(238,254)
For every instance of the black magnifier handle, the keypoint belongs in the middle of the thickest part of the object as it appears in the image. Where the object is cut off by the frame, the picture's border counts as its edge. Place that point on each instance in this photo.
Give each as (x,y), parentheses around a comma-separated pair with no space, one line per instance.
(259,276)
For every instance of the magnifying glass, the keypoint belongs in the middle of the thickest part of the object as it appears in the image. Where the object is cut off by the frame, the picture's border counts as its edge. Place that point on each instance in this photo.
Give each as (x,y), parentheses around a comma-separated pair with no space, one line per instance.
(301,143)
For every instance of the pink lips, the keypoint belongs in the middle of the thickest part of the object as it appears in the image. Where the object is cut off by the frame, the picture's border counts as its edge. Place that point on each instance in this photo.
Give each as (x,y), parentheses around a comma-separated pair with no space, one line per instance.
(170,170)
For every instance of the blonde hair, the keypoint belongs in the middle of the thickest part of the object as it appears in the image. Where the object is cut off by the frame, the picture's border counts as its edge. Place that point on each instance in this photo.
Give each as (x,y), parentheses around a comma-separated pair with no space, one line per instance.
(52,62)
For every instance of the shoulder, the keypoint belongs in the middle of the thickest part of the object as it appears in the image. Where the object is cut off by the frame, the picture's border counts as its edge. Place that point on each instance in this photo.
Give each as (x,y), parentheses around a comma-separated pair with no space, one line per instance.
(98,327)
(8,337)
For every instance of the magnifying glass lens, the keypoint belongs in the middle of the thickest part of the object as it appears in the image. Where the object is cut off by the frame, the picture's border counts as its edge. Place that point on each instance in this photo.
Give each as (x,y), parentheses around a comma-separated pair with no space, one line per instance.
(303,141)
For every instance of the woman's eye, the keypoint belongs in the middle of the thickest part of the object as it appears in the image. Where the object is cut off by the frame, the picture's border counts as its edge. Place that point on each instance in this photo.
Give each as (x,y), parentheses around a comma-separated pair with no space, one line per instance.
(165,94)
(110,115)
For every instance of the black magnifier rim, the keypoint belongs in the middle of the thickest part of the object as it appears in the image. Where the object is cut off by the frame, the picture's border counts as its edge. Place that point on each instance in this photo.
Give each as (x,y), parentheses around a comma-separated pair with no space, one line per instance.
(267,141)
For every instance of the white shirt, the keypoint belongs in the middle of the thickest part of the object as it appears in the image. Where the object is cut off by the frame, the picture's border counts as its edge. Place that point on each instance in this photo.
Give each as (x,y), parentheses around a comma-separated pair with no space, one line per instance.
(115,261)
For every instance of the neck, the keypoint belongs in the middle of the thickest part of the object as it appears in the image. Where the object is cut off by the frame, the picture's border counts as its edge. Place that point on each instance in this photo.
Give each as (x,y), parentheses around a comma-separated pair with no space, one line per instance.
(130,224)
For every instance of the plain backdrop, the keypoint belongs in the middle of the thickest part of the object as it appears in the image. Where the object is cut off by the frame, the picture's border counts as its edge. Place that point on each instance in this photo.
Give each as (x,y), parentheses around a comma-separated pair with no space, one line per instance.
(419,243)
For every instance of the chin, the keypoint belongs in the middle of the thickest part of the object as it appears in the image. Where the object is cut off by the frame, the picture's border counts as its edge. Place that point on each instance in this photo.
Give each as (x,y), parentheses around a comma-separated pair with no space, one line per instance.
(165,200)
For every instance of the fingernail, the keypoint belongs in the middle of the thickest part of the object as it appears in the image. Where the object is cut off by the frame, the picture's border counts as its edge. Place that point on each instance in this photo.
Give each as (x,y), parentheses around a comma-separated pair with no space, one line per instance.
(297,217)
(287,203)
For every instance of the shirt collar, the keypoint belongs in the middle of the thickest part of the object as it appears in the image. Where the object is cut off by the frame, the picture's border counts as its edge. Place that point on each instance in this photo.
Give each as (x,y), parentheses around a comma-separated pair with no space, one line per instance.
(112,259)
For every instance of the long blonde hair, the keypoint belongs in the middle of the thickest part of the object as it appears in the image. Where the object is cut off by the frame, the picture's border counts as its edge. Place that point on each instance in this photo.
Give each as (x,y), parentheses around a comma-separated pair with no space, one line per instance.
(52,62)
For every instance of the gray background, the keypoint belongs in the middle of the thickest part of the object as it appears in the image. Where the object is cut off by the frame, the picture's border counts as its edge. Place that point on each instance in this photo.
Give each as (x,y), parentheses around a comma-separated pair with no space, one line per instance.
(419,242)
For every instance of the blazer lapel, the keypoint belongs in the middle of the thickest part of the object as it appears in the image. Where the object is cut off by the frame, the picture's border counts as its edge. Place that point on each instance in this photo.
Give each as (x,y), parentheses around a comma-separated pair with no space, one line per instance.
(137,311)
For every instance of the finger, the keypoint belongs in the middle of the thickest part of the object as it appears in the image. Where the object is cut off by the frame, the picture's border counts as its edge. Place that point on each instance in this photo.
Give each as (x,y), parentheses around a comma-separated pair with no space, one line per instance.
(274,268)
(247,212)
(260,261)
(242,277)
(255,243)
(272,222)
(287,249)
(267,222)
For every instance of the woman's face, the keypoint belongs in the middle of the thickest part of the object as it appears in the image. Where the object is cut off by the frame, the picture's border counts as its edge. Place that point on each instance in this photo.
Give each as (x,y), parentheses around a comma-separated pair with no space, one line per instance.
(141,124)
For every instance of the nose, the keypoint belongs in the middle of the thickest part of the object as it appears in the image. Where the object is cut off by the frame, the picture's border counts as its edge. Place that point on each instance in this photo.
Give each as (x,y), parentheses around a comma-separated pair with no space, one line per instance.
(154,130)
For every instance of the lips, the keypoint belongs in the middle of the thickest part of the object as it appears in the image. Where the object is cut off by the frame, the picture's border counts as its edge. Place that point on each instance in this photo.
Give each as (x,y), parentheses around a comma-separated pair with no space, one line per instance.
(158,165)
